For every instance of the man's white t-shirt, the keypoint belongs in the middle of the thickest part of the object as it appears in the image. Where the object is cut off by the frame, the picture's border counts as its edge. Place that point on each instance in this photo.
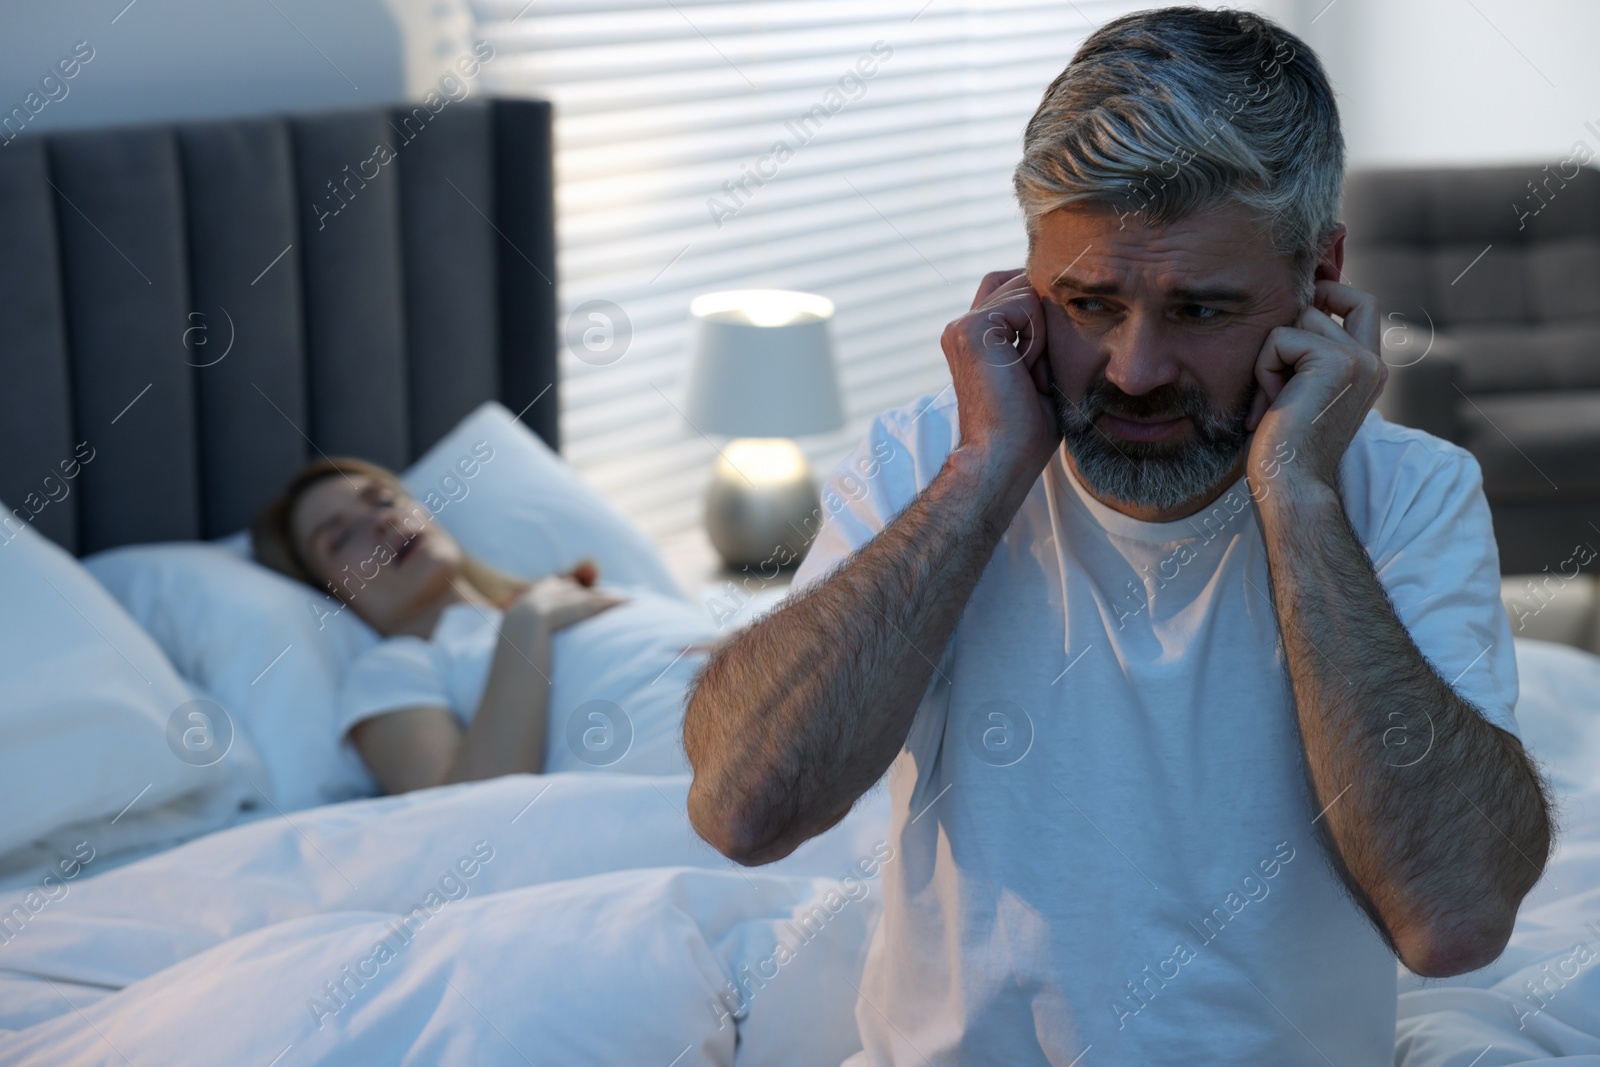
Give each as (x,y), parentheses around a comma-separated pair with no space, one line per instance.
(1104,850)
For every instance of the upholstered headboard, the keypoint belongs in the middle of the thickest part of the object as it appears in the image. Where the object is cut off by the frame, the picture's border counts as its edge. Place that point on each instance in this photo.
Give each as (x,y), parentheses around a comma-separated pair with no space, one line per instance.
(192,311)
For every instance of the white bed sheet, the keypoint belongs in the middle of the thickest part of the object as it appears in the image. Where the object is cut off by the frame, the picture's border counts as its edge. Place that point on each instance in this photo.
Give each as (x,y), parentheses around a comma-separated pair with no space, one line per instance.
(245,925)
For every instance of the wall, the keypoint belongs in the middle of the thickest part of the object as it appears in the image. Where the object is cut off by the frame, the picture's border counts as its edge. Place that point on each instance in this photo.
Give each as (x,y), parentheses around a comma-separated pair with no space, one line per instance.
(1458,81)
(156,60)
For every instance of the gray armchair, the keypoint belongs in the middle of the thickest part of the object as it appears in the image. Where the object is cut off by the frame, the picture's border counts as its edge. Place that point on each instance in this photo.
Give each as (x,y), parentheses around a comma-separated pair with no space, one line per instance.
(1488,281)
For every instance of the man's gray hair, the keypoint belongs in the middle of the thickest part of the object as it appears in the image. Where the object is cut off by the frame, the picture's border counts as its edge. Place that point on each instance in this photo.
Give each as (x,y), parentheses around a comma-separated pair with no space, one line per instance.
(1165,112)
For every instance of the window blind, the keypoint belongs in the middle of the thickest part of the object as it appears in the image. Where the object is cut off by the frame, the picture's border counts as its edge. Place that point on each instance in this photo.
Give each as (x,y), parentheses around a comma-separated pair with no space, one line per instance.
(860,149)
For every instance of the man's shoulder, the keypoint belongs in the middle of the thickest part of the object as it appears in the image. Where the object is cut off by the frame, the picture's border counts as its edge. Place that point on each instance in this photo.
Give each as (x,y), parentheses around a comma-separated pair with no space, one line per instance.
(1391,470)
(901,453)
(1387,450)
(915,437)
(931,420)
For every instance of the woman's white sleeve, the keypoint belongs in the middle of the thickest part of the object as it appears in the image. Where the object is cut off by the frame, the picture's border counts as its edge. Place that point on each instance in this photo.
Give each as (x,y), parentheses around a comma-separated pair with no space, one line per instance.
(399,673)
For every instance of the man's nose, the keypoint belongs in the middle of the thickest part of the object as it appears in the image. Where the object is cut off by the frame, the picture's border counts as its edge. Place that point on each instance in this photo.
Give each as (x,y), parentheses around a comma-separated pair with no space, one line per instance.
(1141,355)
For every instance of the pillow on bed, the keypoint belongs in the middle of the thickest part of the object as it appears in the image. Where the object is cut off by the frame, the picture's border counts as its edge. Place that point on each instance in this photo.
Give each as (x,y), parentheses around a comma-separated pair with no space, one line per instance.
(270,650)
(512,502)
(85,699)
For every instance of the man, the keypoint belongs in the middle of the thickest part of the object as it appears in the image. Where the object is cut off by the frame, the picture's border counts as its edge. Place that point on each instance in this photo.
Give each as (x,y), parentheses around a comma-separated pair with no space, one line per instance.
(1189,671)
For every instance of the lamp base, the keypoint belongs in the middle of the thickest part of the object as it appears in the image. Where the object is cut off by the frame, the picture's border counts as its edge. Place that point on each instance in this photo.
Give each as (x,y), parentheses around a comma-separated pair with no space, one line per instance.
(763,507)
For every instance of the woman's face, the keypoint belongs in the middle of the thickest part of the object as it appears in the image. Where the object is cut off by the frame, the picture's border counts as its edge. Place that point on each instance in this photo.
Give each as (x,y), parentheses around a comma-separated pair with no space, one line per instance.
(378,549)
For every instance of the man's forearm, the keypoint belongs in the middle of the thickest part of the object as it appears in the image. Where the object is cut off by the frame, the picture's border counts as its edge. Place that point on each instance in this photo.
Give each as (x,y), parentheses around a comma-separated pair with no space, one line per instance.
(799,715)
(1440,847)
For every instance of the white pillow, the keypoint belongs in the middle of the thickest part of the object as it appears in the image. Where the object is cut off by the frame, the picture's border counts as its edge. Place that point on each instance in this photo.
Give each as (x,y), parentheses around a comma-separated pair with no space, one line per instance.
(85,699)
(512,502)
(522,509)
(272,651)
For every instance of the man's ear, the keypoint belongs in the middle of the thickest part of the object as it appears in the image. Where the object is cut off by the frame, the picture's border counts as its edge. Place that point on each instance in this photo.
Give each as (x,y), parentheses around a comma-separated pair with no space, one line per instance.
(1330,265)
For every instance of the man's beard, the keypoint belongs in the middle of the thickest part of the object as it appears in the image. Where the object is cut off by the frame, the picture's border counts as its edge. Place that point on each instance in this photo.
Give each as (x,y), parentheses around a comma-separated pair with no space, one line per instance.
(1153,474)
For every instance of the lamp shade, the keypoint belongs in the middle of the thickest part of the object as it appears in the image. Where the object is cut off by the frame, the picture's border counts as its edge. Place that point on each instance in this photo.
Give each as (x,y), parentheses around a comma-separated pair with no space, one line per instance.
(763,364)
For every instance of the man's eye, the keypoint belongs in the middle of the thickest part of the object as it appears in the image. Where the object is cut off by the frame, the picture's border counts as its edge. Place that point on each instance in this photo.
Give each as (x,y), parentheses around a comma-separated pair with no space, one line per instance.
(1201,313)
(1081,304)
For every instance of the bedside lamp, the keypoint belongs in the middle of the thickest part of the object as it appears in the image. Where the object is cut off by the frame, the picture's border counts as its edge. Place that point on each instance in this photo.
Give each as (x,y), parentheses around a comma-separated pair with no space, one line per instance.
(763,373)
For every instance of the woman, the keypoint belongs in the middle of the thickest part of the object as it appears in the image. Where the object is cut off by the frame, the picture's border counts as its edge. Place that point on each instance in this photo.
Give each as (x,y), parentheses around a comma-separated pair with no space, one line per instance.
(462,688)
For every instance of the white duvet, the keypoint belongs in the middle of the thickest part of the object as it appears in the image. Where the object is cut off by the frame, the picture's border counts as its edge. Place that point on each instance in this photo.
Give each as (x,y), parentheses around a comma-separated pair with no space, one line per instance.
(1540,1001)
(576,918)
(531,919)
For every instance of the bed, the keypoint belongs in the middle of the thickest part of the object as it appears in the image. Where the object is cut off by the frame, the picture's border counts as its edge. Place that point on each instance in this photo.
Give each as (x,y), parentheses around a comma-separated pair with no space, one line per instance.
(195,311)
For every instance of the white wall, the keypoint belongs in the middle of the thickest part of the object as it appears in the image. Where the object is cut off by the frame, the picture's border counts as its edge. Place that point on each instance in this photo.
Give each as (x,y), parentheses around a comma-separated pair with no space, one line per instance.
(1458,81)
(157,60)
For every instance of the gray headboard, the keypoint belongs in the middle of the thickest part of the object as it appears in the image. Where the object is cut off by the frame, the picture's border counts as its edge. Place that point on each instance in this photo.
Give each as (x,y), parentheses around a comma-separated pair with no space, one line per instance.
(377,273)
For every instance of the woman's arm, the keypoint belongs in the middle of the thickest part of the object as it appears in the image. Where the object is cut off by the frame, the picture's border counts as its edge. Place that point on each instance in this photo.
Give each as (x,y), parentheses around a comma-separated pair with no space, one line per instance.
(507,734)
(416,748)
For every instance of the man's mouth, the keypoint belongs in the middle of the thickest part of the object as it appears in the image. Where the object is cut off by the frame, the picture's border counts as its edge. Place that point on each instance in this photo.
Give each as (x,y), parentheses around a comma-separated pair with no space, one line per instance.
(1138,428)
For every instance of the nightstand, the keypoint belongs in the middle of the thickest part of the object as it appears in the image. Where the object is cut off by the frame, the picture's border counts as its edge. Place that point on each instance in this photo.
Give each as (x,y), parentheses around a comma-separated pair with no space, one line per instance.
(732,598)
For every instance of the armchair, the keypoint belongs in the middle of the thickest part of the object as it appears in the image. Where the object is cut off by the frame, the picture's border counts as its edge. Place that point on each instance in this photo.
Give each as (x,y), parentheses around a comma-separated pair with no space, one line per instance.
(1488,281)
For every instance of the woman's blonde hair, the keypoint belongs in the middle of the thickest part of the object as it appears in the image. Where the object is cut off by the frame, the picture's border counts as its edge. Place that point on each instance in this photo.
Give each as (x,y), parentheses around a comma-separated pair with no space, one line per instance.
(272,539)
